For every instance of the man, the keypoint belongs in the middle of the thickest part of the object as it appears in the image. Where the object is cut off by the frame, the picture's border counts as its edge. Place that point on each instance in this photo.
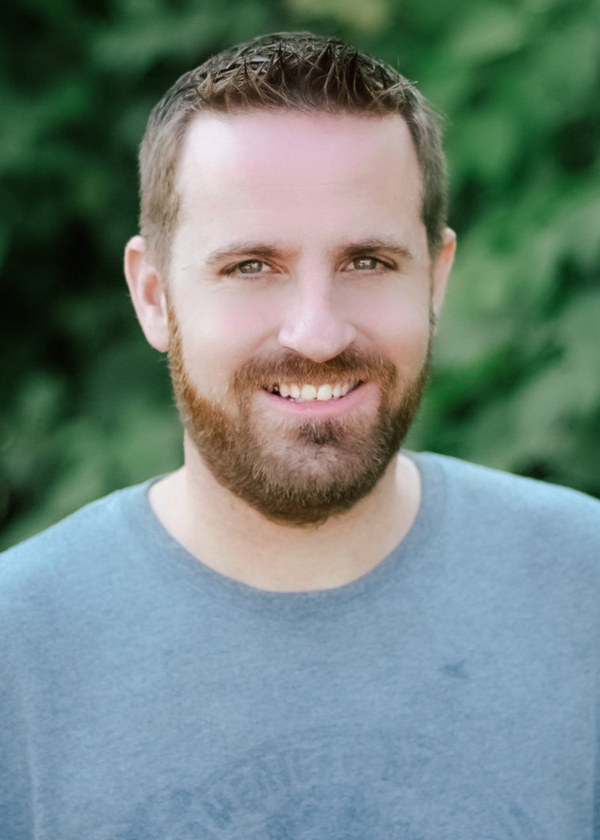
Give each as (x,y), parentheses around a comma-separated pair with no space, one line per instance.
(303,632)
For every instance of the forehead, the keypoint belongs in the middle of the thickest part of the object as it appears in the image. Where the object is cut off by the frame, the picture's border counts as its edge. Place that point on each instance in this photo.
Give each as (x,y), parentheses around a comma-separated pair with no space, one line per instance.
(297,149)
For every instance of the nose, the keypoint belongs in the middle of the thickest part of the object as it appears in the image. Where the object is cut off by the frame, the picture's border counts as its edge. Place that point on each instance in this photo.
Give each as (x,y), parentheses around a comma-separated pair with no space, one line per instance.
(314,326)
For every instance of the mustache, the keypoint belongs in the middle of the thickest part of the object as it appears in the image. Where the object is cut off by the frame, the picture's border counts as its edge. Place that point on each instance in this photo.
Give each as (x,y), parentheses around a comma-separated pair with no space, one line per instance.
(350,365)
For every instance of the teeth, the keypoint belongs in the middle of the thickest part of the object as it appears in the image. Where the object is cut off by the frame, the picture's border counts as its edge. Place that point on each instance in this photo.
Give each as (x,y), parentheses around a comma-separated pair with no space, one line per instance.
(308,393)
(325,392)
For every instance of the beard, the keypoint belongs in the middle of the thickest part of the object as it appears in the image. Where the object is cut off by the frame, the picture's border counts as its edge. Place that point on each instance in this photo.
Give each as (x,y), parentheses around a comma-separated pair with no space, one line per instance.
(297,472)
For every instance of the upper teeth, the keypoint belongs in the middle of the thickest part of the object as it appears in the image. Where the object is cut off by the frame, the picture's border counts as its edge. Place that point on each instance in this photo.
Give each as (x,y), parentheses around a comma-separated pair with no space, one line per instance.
(312,392)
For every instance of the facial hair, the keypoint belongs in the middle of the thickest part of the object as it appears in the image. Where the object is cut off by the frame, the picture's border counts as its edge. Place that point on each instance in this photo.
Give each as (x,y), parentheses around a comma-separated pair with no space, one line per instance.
(293,472)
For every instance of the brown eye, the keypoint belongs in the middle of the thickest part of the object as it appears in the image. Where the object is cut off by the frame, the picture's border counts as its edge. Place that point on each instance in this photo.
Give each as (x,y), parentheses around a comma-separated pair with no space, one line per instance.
(365,262)
(368,264)
(249,267)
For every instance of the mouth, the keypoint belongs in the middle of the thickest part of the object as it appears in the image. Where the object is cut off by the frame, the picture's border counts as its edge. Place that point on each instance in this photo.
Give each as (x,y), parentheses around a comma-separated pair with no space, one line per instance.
(308,392)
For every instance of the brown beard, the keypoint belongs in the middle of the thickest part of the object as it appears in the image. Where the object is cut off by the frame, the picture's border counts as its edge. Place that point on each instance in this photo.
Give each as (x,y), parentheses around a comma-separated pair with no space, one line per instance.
(327,465)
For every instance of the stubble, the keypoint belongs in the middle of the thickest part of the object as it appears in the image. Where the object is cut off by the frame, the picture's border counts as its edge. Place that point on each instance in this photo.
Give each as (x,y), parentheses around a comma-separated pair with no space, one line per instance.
(297,473)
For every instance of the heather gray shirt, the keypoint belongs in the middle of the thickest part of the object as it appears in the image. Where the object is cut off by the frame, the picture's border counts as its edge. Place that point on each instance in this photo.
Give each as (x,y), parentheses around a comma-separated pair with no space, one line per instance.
(449,694)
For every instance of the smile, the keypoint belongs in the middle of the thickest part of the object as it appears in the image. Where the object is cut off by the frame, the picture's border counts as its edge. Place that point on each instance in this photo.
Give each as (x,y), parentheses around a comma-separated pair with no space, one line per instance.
(312,393)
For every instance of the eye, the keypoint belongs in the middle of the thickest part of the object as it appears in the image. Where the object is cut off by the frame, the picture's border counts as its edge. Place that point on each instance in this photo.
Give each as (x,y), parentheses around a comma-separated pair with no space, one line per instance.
(367,263)
(247,267)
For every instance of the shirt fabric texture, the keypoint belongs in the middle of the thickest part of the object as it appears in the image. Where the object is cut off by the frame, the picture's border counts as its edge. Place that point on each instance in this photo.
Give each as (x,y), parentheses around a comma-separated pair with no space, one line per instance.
(451,693)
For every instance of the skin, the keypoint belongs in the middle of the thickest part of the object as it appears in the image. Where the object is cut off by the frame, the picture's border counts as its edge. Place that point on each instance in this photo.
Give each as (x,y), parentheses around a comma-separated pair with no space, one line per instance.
(309,186)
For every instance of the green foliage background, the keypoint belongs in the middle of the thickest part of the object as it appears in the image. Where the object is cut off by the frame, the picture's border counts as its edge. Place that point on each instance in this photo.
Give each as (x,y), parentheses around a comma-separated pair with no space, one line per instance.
(86,406)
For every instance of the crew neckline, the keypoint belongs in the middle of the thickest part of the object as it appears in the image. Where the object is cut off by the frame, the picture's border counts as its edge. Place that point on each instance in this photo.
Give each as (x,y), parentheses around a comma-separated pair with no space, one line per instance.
(165,549)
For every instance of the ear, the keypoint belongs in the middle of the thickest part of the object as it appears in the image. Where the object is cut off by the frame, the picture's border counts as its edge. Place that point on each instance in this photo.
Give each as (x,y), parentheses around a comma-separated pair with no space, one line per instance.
(147,293)
(441,270)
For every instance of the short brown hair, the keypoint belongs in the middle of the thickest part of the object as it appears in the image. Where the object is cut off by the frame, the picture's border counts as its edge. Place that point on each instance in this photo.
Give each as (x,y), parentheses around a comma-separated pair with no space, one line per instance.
(286,70)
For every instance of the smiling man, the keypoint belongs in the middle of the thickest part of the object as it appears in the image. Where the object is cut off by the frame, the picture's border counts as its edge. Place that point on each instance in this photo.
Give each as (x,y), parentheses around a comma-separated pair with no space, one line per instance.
(297,305)
(306,631)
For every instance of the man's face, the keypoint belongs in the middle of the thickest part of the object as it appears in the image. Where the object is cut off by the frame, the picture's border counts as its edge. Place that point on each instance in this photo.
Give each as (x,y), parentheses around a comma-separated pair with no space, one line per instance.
(299,268)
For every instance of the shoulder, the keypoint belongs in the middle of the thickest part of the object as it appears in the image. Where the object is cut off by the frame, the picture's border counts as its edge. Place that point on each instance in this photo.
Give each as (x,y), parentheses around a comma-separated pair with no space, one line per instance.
(68,550)
(516,539)
(495,501)
(493,484)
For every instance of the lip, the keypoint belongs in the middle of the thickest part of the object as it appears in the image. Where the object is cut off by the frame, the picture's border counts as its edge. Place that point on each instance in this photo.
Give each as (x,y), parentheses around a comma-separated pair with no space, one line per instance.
(362,396)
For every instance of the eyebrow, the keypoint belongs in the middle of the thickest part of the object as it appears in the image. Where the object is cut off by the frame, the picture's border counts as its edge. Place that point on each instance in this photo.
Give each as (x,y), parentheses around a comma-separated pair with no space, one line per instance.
(370,246)
(244,249)
(348,250)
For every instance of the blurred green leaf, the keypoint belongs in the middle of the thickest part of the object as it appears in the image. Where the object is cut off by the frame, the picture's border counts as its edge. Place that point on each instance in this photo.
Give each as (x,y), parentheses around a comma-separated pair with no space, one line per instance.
(488,32)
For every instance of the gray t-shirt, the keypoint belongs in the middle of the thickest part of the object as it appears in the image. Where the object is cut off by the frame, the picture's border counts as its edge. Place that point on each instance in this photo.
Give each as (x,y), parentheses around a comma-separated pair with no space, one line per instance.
(449,694)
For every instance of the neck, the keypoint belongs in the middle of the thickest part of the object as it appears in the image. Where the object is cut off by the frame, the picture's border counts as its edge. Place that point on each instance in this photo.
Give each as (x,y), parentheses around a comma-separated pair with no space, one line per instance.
(232,538)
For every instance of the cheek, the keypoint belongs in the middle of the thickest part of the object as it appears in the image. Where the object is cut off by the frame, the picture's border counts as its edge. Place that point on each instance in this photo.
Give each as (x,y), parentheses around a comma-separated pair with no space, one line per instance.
(407,349)
(400,332)
(235,314)
(221,338)
(235,325)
